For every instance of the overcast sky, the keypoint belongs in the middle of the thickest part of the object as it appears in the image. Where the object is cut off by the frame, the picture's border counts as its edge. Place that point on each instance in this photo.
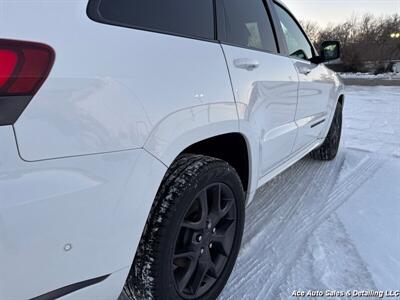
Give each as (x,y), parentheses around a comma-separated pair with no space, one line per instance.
(334,11)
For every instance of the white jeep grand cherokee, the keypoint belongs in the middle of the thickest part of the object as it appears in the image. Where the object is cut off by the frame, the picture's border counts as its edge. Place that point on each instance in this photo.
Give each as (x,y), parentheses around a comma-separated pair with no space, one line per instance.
(133,133)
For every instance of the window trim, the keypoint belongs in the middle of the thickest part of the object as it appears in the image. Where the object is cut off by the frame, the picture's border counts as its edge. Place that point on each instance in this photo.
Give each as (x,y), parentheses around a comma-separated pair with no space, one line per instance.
(275,33)
(249,48)
(277,20)
(271,20)
(93,13)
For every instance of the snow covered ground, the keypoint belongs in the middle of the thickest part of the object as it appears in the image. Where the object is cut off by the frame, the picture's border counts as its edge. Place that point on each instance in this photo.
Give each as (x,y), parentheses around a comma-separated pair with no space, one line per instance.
(383,76)
(333,225)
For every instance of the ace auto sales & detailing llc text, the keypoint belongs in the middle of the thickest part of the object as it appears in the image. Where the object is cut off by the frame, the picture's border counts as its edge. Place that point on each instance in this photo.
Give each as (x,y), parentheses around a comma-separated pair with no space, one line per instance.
(349,293)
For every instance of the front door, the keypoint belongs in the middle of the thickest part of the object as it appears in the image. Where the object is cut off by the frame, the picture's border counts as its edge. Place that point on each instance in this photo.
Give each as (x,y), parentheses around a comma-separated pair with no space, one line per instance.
(315,81)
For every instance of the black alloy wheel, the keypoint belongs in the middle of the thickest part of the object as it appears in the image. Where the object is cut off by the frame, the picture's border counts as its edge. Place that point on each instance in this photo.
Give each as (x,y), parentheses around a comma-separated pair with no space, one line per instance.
(205,241)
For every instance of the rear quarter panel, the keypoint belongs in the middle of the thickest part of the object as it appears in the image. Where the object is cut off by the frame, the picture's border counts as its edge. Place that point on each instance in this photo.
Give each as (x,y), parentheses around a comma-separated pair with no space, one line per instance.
(110,86)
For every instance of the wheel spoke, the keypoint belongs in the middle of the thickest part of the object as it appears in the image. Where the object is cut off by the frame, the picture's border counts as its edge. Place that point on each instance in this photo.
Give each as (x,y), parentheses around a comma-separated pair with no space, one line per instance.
(217,216)
(202,219)
(215,195)
(221,205)
(184,280)
(227,208)
(216,268)
(180,260)
(198,278)
(192,225)
(224,238)
(213,269)
(215,211)
(188,254)
(204,207)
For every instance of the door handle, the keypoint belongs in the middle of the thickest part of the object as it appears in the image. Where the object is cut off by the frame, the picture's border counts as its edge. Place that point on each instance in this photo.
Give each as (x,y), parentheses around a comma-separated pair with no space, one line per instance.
(246,63)
(304,70)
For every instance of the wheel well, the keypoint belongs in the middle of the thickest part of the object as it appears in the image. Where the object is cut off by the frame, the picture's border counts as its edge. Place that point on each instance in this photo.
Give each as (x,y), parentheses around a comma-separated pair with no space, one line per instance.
(231,147)
(341,100)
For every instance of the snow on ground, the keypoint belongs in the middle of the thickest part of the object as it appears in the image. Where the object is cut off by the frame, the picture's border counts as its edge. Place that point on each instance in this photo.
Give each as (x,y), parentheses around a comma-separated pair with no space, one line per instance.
(383,76)
(332,225)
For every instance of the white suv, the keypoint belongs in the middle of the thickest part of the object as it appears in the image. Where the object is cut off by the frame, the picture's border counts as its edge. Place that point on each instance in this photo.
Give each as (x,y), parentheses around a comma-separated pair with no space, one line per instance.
(133,133)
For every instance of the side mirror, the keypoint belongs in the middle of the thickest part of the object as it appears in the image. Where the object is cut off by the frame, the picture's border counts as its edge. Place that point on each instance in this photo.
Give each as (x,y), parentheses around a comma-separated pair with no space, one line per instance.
(330,50)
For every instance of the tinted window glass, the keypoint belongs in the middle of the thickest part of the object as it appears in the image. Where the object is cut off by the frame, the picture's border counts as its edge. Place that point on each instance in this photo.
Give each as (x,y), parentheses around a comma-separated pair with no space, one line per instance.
(193,18)
(297,42)
(246,24)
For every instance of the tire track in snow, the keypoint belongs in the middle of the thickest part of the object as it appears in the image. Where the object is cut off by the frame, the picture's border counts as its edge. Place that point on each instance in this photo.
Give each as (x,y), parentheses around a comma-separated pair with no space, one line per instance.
(319,260)
(278,207)
(340,194)
(284,196)
(286,212)
(274,194)
(309,200)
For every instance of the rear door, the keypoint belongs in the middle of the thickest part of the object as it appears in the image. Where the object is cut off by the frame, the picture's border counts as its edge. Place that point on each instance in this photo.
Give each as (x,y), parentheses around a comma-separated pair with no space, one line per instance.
(315,81)
(264,82)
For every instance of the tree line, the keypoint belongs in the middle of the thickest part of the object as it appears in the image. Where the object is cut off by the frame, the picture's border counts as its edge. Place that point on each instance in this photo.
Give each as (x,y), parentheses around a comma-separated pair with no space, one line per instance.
(365,40)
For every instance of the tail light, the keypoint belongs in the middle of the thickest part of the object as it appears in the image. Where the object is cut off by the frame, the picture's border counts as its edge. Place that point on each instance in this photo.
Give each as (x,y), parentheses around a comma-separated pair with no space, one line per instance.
(24,66)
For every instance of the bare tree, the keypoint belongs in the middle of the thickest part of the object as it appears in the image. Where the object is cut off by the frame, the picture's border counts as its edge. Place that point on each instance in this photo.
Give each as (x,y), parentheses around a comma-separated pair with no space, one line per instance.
(312,29)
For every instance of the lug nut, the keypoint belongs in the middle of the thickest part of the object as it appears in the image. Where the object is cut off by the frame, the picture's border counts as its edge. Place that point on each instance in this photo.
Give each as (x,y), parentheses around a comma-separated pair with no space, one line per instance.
(209,225)
(199,238)
(201,250)
(210,246)
(67,247)
(214,230)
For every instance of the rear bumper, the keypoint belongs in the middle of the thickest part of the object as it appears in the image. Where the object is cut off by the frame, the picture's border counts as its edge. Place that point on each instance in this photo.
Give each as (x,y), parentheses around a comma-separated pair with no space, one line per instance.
(69,220)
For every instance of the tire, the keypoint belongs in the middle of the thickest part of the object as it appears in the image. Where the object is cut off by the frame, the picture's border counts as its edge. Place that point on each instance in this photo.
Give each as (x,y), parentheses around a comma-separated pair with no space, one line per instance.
(329,149)
(186,207)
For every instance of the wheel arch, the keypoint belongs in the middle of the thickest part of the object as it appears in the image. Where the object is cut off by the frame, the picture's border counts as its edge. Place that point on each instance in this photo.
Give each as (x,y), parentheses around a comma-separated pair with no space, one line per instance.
(210,129)
(230,147)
